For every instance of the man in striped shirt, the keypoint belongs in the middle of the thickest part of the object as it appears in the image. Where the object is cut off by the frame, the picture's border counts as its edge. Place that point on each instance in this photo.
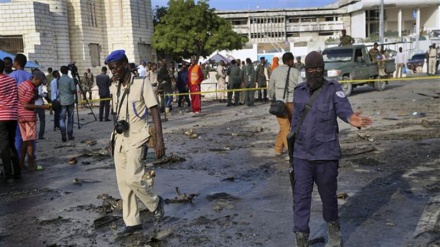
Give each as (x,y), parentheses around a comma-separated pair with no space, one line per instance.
(27,116)
(8,124)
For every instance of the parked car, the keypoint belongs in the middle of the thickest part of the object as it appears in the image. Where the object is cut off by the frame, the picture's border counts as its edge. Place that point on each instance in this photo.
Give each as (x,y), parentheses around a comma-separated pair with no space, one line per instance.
(416,61)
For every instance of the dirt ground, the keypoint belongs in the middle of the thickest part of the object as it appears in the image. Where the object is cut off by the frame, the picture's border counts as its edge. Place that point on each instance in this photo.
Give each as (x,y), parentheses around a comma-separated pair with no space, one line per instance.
(388,180)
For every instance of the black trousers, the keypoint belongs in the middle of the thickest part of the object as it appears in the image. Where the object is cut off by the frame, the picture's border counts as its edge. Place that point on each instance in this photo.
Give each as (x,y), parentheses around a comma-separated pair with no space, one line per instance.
(42,119)
(104,107)
(8,153)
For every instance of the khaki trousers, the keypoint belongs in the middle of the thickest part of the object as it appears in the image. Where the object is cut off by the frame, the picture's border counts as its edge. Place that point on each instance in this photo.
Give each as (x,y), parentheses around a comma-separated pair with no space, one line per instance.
(284,123)
(432,69)
(129,172)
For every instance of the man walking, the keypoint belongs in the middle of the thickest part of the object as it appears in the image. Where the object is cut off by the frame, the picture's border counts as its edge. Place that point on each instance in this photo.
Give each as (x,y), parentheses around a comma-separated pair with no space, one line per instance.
(134,98)
(316,151)
(277,87)
(67,91)
(104,82)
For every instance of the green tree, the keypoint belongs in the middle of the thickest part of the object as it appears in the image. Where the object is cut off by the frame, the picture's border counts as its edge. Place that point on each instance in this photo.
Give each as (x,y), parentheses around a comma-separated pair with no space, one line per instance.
(194,29)
(158,13)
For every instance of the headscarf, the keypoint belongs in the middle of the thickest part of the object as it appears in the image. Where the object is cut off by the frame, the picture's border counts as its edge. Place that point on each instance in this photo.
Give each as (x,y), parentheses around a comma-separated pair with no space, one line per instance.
(274,63)
(315,79)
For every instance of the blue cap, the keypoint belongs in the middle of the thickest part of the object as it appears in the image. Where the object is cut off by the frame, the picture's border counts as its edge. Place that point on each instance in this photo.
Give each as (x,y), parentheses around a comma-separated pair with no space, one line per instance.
(115,56)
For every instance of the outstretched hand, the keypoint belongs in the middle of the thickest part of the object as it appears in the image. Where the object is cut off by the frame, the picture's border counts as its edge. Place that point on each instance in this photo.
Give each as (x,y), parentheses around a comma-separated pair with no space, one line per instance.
(357,120)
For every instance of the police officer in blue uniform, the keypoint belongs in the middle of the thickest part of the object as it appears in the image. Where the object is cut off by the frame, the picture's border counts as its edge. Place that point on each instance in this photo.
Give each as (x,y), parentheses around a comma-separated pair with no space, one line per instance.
(316,151)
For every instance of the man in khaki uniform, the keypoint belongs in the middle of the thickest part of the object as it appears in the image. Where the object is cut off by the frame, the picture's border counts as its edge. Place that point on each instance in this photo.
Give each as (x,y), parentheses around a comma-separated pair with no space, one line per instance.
(133,99)
(432,60)
(345,40)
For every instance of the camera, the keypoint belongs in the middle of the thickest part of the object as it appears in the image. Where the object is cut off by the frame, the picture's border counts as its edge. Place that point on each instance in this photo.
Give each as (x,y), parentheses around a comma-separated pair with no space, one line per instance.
(121,126)
(73,69)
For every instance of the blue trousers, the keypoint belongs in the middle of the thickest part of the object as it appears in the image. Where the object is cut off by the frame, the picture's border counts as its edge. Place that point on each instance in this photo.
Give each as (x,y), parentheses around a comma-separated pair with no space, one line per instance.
(67,111)
(324,174)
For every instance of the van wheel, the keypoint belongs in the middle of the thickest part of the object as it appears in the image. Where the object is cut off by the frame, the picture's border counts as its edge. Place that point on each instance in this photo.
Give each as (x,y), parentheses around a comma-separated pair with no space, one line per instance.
(347,87)
(380,85)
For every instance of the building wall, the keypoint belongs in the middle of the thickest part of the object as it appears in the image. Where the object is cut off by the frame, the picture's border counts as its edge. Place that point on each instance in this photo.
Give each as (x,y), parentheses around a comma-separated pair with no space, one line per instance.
(58,32)
(358,24)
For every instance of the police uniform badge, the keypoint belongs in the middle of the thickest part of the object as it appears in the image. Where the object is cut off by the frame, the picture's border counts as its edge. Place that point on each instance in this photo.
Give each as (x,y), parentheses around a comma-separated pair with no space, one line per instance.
(340,94)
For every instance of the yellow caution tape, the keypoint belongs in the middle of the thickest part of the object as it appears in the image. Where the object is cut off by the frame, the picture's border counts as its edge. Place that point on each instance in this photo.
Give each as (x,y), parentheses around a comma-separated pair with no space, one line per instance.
(357,81)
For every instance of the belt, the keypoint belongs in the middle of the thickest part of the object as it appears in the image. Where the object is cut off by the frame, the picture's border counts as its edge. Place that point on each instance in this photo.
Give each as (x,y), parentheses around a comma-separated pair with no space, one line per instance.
(431,56)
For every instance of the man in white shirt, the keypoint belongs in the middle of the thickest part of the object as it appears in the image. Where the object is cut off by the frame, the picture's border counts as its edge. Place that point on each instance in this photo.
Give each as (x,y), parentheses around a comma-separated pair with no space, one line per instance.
(400,63)
(142,69)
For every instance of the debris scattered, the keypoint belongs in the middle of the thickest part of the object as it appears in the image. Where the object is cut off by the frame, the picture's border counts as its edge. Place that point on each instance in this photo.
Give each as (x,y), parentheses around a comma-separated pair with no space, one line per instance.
(162,234)
(90,153)
(64,146)
(79,181)
(390,224)
(228,179)
(342,195)
(169,159)
(427,95)
(89,142)
(220,149)
(358,150)
(109,203)
(191,134)
(105,220)
(73,161)
(365,136)
(181,198)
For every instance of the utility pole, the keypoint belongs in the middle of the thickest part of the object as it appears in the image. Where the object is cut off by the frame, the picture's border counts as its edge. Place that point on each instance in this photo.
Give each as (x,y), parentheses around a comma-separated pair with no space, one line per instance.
(381,22)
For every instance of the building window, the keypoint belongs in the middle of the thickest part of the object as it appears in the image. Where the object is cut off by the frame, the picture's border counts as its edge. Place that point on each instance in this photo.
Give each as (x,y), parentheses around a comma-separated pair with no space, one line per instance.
(91,12)
(12,44)
(95,54)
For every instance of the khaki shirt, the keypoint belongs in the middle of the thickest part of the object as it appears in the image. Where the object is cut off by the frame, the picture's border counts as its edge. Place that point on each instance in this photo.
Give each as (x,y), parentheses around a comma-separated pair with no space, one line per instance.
(277,83)
(140,98)
(373,54)
(346,40)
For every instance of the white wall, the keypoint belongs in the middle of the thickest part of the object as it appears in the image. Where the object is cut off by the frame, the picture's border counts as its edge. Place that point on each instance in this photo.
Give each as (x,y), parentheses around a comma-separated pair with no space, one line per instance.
(358,24)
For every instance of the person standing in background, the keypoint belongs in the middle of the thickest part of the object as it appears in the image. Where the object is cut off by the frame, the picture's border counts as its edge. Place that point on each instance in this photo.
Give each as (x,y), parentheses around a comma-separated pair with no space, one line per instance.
(195,78)
(54,94)
(400,63)
(104,82)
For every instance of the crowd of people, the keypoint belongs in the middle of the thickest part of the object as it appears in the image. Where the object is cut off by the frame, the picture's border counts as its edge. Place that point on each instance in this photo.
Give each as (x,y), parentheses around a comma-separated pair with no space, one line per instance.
(140,92)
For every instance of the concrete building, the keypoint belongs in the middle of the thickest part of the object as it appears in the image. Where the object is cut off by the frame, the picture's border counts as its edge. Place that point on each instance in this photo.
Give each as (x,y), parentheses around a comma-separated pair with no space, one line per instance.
(55,32)
(302,30)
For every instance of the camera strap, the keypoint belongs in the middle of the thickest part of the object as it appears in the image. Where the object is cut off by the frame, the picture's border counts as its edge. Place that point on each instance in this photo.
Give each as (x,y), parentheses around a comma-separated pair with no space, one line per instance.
(121,103)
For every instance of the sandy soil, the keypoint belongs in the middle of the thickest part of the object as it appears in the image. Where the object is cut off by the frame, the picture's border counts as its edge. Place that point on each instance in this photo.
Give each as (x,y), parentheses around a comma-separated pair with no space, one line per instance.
(389,174)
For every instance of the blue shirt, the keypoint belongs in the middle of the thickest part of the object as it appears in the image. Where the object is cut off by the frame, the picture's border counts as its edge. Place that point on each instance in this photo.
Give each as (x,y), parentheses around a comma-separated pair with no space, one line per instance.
(20,76)
(317,139)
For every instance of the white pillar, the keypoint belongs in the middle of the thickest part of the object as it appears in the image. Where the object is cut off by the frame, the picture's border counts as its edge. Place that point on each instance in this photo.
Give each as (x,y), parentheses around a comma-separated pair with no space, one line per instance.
(438,16)
(399,22)
(417,29)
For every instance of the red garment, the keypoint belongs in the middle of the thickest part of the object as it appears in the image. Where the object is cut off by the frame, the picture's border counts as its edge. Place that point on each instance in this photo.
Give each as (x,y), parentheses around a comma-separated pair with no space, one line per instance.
(196,99)
(26,94)
(195,78)
(8,98)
